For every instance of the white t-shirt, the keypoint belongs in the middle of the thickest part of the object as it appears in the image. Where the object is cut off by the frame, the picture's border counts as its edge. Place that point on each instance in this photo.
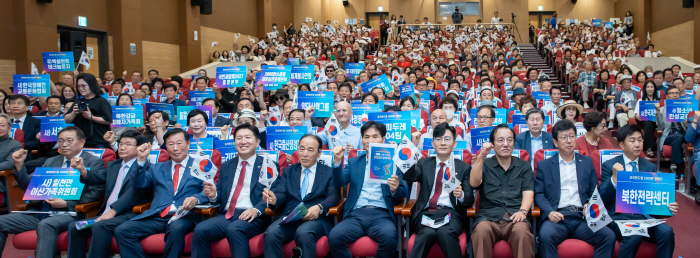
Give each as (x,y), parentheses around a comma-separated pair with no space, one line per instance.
(495,19)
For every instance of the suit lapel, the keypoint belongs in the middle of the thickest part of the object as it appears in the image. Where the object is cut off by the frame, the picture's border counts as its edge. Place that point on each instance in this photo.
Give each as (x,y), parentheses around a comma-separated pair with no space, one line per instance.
(432,163)
(168,174)
(361,165)
(186,174)
(556,177)
(296,180)
(580,174)
(228,183)
(528,143)
(546,141)
(257,169)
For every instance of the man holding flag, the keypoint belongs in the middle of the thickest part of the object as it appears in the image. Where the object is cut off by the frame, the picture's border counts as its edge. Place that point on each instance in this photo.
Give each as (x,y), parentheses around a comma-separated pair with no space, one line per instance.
(369,207)
(340,132)
(564,183)
(238,193)
(444,196)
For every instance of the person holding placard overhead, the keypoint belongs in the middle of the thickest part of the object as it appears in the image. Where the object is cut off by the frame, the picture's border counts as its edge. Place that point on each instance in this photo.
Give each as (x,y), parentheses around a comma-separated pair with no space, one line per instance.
(631,141)
(305,186)
(506,191)
(120,199)
(439,197)
(369,206)
(173,189)
(241,213)
(563,185)
(71,141)
(673,132)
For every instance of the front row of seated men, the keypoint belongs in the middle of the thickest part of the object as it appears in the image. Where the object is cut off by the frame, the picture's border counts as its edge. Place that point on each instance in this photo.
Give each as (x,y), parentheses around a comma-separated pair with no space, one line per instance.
(507,189)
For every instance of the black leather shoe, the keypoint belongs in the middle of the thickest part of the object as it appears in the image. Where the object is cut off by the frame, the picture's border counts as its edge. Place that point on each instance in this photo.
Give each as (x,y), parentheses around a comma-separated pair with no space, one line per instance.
(296,252)
(697,197)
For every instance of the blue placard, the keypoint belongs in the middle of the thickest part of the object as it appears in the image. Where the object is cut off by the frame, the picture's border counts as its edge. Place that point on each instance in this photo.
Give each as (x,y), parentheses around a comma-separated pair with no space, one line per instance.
(183,111)
(415,118)
(647,110)
(519,119)
(606,155)
(428,144)
(380,81)
(275,74)
(353,69)
(608,25)
(407,90)
(359,109)
(197,97)
(381,162)
(302,74)
(31,85)
(480,136)
(501,117)
(645,192)
(268,86)
(322,101)
(596,22)
(139,101)
(677,110)
(204,143)
(62,183)
(58,61)
(227,153)
(165,107)
(127,116)
(398,124)
(293,61)
(285,138)
(539,95)
(230,76)
(50,126)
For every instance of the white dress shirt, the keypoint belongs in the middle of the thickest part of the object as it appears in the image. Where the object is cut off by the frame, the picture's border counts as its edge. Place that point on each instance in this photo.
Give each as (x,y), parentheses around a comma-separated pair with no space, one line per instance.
(444,199)
(179,179)
(628,166)
(243,201)
(569,184)
(312,176)
(65,165)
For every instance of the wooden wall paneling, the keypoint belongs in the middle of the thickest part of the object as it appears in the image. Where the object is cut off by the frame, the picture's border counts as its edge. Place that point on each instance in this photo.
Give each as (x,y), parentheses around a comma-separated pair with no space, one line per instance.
(161,56)
(466,19)
(414,9)
(505,8)
(110,41)
(225,39)
(676,41)
(95,62)
(7,69)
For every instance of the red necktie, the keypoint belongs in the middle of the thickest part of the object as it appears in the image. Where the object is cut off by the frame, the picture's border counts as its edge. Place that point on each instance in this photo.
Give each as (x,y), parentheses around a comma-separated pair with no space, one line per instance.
(176,181)
(237,192)
(432,205)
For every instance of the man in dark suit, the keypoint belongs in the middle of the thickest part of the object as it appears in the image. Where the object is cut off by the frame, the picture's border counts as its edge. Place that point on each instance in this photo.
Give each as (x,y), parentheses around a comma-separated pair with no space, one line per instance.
(31,126)
(71,140)
(563,185)
(534,139)
(173,187)
(217,121)
(435,202)
(631,141)
(369,208)
(308,183)
(53,107)
(238,193)
(119,195)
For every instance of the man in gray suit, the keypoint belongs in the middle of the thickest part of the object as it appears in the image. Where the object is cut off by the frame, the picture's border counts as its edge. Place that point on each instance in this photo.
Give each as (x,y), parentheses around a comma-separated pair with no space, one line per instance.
(7,147)
(70,140)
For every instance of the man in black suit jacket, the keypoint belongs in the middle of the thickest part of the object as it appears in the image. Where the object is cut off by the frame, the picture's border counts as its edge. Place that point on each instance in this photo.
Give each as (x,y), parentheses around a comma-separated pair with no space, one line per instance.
(631,141)
(217,121)
(435,203)
(308,183)
(120,199)
(31,126)
(563,185)
(534,139)
(238,193)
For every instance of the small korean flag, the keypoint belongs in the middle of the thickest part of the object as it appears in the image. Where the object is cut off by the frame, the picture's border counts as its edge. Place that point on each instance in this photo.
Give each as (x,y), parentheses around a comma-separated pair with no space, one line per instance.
(596,215)
(333,128)
(406,155)
(308,19)
(270,173)
(396,78)
(203,169)
(449,176)
(389,30)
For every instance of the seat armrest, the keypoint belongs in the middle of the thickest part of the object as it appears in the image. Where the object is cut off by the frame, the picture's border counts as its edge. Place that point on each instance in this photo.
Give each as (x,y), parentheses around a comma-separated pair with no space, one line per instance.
(335,210)
(138,209)
(6,173)
(89,206)
(658,133)
(408,209)
(689,149)
(15,194)
(398,208)
(207,212)
(535,212)
(471,212)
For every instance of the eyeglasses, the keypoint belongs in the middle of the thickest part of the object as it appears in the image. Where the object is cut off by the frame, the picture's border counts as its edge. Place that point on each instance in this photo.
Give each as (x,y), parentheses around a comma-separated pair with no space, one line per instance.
(68,141)
(567,138)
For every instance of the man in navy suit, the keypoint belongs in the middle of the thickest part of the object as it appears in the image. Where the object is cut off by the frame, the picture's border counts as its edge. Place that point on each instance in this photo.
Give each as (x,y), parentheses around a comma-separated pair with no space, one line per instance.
(19,104)
(173,187)
(563,185)
(534,139)
(119,195)
(310,184)
(436,202)
(369,208)
(631,141)
(241,213)
(217,121)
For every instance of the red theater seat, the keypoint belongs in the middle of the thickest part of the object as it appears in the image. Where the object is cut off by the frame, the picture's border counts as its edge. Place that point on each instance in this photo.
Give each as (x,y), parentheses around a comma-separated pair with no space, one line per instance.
(18,135)
(435,251)
(27,241)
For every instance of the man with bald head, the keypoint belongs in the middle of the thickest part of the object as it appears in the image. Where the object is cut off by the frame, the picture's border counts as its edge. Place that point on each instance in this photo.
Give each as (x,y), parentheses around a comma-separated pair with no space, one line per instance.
(348,135)
(436,117)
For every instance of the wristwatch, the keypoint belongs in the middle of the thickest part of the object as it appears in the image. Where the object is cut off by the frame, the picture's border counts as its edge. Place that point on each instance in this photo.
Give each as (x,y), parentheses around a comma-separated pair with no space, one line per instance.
(524,211)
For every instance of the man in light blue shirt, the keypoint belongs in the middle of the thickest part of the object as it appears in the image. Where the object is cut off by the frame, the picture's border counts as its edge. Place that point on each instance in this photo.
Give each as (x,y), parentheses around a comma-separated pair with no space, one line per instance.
(349,135)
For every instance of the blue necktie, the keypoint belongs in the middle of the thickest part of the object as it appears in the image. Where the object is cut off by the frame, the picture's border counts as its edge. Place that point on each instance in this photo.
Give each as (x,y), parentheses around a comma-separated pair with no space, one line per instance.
(305,183)
(634,166)
(67,163)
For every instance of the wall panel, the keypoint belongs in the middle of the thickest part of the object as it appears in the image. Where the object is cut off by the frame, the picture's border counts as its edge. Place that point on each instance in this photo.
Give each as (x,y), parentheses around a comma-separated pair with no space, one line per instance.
(601,9)
(233,15)
(225,39)
(675,41)
(7,69)
(161,56)
(159,19)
